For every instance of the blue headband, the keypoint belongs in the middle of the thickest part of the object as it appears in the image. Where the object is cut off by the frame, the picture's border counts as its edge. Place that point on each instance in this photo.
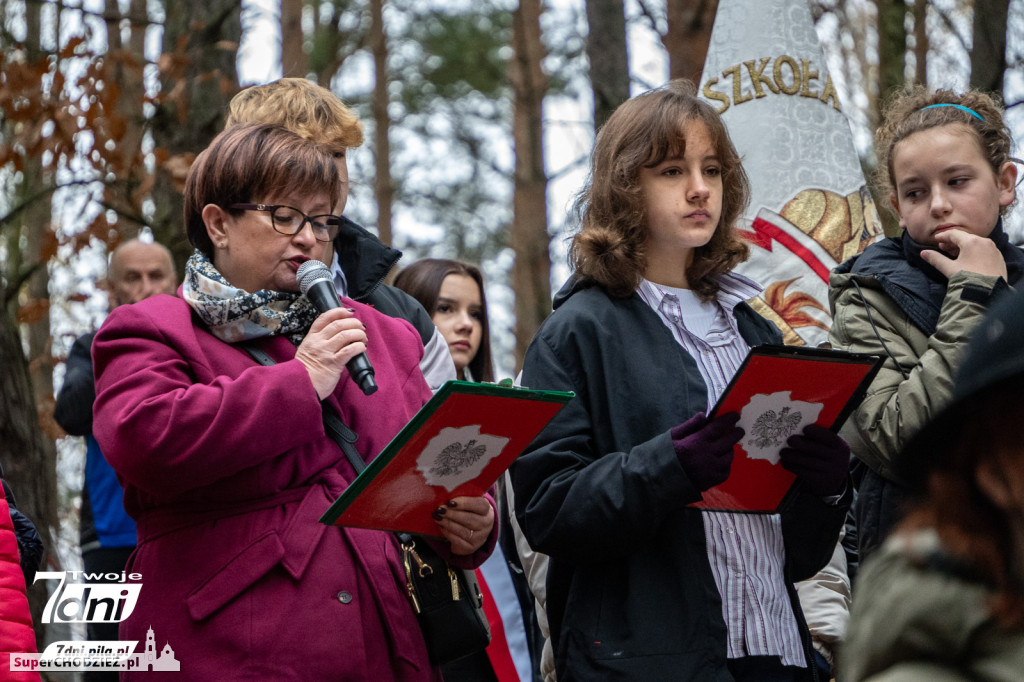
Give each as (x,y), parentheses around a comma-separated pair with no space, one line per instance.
(972,112)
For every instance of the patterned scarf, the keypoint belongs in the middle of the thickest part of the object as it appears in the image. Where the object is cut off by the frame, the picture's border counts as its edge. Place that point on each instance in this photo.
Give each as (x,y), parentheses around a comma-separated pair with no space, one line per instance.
(234,315)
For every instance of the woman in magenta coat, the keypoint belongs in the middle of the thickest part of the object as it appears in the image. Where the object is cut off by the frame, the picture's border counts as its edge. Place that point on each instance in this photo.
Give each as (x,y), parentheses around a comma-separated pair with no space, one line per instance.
(226,464)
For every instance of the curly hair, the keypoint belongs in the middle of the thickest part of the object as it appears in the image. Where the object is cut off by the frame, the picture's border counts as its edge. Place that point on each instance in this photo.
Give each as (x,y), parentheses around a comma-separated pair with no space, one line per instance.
(611,209)
(303,107)
(905,114)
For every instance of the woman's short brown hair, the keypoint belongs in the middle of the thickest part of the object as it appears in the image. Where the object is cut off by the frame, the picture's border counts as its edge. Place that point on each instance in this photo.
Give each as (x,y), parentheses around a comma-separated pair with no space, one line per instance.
(911,112)
(611,208)
(251,163)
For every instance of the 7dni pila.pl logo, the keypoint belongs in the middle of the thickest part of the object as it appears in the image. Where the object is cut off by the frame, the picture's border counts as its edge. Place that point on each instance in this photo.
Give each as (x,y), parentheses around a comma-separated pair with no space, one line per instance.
(93,602)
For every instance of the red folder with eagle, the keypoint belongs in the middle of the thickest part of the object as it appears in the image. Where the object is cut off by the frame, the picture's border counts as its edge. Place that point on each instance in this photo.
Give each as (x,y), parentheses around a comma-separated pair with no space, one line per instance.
(777,391)
(458,444)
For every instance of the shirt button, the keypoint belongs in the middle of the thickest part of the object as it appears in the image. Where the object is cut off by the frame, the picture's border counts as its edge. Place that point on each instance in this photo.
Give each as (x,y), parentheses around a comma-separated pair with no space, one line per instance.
(344,597)
(739,574)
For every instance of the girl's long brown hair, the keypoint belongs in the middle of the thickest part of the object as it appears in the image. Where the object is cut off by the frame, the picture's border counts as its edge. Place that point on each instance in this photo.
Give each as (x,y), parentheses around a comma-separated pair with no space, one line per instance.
(422,280)
(611,208)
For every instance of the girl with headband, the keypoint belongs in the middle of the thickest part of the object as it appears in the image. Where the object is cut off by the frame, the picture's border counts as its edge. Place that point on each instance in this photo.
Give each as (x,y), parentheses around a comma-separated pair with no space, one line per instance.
(944,162)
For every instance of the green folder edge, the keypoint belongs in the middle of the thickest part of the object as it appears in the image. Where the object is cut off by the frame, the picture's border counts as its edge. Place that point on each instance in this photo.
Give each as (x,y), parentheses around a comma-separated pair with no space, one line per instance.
(449,388)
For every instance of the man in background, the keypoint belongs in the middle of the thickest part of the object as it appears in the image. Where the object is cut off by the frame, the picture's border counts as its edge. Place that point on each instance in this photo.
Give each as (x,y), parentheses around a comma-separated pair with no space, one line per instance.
(137,271)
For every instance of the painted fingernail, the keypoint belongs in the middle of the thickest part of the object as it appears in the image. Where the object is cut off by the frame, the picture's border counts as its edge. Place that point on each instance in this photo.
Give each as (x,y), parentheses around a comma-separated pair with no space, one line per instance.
(452,503)
(438,513)
(351,310)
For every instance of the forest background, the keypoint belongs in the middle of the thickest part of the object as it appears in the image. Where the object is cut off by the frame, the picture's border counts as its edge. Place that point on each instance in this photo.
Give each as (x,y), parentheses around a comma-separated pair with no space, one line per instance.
(479,119)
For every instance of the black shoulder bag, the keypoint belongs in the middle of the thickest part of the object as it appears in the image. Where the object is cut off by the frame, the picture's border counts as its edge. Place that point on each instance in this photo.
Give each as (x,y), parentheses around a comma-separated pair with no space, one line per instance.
(447,601)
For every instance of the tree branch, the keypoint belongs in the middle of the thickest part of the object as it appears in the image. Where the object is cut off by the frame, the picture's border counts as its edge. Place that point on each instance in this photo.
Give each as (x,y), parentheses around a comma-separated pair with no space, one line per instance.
(120,213)
(46,191)
(134,20)
(952,28)
(646,13)
(19,281)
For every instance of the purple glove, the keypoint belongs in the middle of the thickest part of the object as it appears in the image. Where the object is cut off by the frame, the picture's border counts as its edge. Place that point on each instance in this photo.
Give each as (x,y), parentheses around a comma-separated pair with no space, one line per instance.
(818,456)
(704,448)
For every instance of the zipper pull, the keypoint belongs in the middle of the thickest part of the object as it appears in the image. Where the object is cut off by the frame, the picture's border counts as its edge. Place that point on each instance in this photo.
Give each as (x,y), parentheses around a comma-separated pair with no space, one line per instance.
(455,584)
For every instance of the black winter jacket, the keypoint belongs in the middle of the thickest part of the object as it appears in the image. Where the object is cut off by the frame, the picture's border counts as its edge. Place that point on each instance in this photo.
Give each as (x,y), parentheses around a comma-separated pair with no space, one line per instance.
(366,261)
(630,591)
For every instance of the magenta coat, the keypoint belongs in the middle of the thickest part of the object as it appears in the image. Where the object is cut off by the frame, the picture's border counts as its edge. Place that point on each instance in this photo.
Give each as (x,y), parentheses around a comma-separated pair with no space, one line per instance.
(226,469)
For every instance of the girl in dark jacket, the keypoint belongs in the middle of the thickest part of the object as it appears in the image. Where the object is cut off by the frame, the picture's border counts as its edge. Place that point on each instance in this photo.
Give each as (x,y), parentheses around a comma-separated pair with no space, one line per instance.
(647,333)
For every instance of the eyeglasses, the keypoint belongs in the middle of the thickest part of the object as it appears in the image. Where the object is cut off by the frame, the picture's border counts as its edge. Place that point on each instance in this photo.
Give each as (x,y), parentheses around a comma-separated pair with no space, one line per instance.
(289,221)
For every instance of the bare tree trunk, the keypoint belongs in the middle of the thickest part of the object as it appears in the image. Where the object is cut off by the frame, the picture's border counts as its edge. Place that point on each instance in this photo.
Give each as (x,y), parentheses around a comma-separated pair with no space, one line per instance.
(609,59)
(688,36)
(294,60)
(531,273)
(988,54)
(331,45)
(200,46)
(921,42)
(128,78)
(892,46)
(31,466)
(383,184)
(28,457)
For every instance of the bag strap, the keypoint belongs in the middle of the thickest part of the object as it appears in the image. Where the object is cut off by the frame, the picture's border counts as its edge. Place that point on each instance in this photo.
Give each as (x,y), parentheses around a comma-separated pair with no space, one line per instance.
(336,429)
(345,437)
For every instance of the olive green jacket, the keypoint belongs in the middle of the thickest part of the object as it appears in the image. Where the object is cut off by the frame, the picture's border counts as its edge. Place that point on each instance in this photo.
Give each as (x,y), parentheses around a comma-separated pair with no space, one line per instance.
(913,619)
(898,403)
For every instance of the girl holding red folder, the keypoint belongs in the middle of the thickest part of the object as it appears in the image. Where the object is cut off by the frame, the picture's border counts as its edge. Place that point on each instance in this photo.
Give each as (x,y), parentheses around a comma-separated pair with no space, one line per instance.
(647,333)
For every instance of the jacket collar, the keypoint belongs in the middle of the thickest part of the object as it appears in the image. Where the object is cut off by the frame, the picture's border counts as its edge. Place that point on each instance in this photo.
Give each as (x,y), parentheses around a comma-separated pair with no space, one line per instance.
(735,288)
(754,329)
(915,286)
(364,259)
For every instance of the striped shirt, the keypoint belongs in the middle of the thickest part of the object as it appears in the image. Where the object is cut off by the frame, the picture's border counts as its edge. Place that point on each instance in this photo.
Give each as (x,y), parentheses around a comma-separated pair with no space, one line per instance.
(746,551)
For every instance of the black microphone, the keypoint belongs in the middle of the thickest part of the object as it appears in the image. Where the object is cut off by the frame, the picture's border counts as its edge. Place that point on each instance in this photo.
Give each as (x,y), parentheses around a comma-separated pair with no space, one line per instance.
(317,284)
